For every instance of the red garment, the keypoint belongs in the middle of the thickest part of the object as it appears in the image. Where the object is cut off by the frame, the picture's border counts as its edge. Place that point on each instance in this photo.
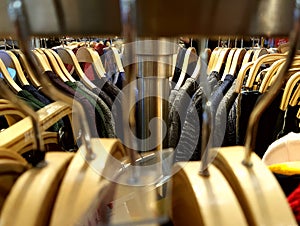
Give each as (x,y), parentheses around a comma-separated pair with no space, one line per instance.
(294,201)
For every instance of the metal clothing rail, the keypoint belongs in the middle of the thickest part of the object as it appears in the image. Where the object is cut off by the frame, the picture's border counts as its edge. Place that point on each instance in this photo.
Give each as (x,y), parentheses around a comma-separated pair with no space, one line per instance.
(155,18)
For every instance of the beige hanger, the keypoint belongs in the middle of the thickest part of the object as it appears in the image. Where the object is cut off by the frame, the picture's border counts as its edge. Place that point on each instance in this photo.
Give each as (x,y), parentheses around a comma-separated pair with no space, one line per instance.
(258,53)
(255,187)
(248,56)
(200,200)
(73,200)
(264,59)
(117,59)
(237,61)
(89,55)
(293,101)
(207,52)
(221,59)
(19,135)
(42,60)
(184,67)
(12,166)
(31,76)
(69,57)
(10,82)
(241,76)
(34,193)
(213,59)
(228,62)
(54,65)
(271,72)
(61,64)
(10,60)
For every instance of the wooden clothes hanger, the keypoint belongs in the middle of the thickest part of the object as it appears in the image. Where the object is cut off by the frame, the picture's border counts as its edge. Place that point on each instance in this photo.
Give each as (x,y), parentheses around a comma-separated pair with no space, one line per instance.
(287,97)
(117,59)
(48,52)
(10,60)
(237,60)
(12,166)
(69,57)
(228,62)
(241,76)
(189,51)
(89,55)
(259,52)
(10,82)
(36,209)
(212,59)
(30,75)
(54,65)
(221,59)
(200,199)
(13,137)
(73,200)
(265,59)
(273,71)
(248,56)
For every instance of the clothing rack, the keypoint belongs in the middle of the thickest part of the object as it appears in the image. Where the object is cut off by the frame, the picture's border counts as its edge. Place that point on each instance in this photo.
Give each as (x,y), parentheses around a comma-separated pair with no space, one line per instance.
(212,18)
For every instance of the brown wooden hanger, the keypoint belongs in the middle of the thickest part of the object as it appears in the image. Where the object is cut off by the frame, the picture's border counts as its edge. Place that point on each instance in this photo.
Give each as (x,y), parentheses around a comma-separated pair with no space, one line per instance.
(73,200)
(189,51)
(265,59)
(8,79)
(248,56)
(89,55)
(61,65)
(69,57)
(10,60)
(30,75)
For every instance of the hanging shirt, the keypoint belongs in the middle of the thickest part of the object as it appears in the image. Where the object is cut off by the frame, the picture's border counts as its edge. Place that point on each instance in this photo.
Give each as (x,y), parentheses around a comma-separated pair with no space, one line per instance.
(87,107)
(36,94)
(246,103)
(115,94)
(290,121)
(99,117)
(178,110)
(220,121)
(108,118)
(189,144)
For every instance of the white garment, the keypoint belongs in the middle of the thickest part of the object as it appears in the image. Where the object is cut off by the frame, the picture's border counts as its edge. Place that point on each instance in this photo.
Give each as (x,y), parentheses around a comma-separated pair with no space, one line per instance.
(285,149)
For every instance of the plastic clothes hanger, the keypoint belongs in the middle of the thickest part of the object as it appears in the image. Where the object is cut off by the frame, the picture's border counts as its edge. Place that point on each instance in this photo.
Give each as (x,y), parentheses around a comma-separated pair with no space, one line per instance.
(89,55)
(69,57)
(10,60)
(189,51)
(59,62)
(265,59)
